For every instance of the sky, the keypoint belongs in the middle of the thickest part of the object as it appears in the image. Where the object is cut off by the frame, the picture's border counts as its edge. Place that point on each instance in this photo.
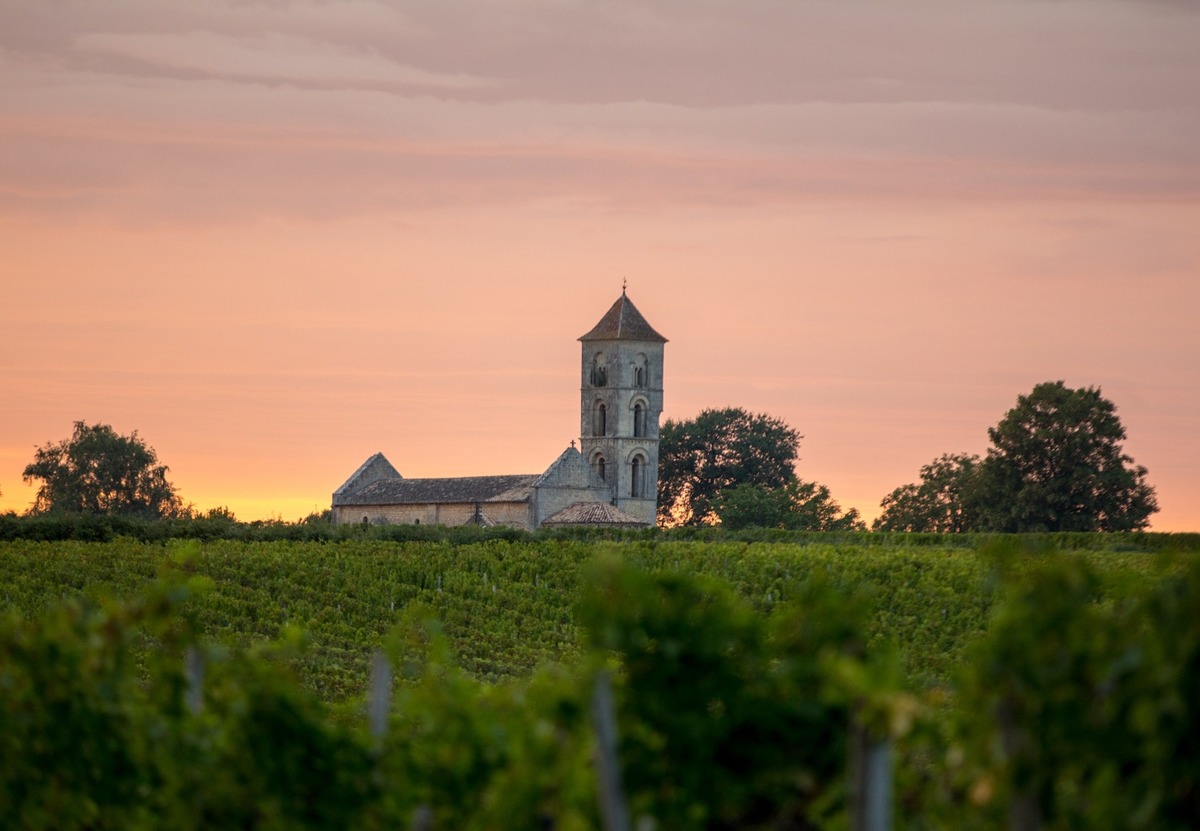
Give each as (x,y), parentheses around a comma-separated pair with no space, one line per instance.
(275,237)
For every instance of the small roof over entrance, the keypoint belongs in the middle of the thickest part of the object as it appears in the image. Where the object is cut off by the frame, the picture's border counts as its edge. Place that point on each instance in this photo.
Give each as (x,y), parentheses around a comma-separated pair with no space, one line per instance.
(594,514)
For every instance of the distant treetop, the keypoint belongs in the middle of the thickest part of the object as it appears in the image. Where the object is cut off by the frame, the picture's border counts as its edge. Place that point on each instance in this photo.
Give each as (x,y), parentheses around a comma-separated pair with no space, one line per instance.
(98,471)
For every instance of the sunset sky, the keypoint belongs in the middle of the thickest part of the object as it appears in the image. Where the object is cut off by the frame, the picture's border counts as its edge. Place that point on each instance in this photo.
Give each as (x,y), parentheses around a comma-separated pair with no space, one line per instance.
(275,237)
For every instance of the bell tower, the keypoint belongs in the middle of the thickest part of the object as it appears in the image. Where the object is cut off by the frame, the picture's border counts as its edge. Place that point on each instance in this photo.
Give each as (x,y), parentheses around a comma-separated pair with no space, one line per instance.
(621,399)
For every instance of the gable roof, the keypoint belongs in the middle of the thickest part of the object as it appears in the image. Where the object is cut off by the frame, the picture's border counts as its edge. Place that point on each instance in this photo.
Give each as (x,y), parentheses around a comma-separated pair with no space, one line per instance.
(594,513)
(372,470)
(570,470)
(442,491)
(623,322)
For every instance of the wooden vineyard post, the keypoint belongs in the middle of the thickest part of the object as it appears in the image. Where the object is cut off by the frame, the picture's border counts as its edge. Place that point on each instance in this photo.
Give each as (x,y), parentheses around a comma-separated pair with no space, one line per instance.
(422,818)
(193,671)
(613,812)
(870,780)
(1023,813)
(380,703)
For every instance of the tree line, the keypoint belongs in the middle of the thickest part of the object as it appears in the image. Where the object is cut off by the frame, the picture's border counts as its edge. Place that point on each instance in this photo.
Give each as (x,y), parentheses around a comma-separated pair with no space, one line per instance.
(1056,463)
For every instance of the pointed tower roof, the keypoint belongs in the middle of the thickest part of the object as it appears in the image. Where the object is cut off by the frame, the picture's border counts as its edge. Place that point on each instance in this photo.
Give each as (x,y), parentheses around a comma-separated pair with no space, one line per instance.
(623,322)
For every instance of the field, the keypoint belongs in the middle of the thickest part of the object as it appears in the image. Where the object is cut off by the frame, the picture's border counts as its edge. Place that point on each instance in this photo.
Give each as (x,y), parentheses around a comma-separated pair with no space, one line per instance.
(507,606)
(189,684)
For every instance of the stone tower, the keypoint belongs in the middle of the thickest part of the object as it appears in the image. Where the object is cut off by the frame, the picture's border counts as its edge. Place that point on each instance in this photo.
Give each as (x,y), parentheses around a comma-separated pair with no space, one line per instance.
(621,399)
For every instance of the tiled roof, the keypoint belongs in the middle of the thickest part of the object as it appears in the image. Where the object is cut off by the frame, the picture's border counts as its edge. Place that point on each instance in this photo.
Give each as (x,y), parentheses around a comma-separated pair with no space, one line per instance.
(623,322)
(443,491)
(595,513)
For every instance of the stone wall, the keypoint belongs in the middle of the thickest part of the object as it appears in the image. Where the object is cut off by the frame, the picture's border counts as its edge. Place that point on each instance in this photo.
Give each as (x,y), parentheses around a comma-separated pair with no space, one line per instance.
(512,514)
(624,387)
(515,514)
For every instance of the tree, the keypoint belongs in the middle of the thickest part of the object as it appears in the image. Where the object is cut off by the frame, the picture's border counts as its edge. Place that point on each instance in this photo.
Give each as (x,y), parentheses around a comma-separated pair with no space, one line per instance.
(718,450)
(1056,464)
(945,500)
(98,471)
(797,506)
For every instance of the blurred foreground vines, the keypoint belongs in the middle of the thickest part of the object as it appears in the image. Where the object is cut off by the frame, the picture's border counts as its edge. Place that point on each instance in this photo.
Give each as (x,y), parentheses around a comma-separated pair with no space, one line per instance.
(1072,702)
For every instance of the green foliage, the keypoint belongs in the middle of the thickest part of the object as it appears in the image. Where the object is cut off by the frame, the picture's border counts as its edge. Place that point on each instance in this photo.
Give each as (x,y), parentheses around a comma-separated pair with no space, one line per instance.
(1060,689)
(73,757)
(98,471)
(219,524)
(1056,464)
(729,719)
(92,740)
(324,517)
(486,756)
(95,734)
(506,606)
(268,756)
(1076,711)
(945,501)
(699,459)
(797,506)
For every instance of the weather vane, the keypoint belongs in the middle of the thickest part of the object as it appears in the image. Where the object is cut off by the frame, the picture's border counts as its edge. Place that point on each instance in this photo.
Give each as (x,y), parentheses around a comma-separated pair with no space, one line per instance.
(624,284)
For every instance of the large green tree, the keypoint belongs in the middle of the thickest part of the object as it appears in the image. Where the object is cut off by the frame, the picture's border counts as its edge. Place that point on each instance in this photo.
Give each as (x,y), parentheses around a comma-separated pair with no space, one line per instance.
(1056,464)
(945,500)
(797,506)
(99,471)
(701,458)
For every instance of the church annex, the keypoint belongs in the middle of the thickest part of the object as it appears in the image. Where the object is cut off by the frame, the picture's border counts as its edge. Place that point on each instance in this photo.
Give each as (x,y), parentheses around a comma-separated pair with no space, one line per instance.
(610,480)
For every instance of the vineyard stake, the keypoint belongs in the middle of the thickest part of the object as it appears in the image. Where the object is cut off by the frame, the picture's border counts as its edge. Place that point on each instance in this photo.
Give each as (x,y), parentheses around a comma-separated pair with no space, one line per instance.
(870,781)
(193,670)
(608,772)
(381,696)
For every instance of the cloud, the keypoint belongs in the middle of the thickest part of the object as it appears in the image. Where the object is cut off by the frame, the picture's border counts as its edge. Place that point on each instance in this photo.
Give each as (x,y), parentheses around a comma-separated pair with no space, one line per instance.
(271,57)
(222,111)
(1077,54)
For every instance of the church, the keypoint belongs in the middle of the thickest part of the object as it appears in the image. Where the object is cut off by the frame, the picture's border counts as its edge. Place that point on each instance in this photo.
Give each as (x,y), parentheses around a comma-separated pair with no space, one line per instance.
(610,480)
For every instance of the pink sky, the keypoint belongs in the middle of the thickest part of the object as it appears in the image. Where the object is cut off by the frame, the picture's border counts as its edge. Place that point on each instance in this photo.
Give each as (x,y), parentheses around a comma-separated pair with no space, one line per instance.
(276,237)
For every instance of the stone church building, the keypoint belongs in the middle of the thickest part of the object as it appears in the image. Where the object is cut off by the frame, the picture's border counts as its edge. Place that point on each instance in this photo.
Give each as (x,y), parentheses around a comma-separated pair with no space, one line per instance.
(610,480)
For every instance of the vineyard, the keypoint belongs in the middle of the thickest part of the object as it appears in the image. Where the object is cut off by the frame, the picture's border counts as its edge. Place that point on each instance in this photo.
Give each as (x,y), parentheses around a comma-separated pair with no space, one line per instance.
(1015,680)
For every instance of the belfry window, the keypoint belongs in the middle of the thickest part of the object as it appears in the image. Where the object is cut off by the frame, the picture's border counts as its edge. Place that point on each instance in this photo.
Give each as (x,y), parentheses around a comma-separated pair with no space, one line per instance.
(600,420)
(639,376)
(637,474)
(600,468)
(639,420)
(599,375)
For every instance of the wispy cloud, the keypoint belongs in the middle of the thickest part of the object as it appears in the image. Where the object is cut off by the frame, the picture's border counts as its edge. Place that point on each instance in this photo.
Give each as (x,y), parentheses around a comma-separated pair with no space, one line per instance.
(273,58)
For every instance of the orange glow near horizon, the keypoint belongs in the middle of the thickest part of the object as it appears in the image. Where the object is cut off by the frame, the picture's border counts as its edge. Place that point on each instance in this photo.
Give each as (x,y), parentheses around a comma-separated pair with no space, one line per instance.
(276,240)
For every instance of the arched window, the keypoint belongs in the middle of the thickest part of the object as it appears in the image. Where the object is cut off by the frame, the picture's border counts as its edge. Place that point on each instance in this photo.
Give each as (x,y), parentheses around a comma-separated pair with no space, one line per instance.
(599,371)
(600,468)
(637,474)
(600,420)
(639,376)
(639,420)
